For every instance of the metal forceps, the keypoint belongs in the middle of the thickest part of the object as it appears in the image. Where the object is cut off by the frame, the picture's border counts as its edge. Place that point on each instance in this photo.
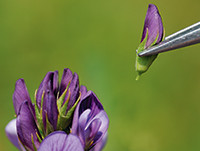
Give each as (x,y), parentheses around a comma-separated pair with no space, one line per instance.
(185,37)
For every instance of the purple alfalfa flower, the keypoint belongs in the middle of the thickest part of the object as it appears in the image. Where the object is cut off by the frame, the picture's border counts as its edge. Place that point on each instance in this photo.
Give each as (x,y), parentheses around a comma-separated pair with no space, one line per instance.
(53,109)
(60,141)
(153,33)
(90,121)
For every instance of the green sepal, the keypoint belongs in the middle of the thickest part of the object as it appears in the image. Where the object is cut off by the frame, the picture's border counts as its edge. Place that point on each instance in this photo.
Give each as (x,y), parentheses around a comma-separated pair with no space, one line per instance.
(163,38)
(41,106)
(38,137)
(65,120)
(22,145)
(155,41)
(63,123)
(143,63)
(39,121)
(63,109)
(35,95)
(34,147)
(142,46)
(49,127)
(61,100)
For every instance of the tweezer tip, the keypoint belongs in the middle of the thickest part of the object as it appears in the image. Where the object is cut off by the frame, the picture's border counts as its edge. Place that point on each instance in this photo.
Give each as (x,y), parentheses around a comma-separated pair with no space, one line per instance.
(141,54)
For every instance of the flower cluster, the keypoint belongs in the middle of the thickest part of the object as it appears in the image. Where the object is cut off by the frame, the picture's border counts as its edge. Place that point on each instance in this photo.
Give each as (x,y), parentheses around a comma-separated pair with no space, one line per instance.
(65,116)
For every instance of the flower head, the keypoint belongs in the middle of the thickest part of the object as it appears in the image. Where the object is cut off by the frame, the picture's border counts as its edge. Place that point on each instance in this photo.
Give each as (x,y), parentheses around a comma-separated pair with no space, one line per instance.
(153,33)
(51,116)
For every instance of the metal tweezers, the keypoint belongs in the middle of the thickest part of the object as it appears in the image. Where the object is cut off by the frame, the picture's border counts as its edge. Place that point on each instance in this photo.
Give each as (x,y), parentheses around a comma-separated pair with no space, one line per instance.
(185,37)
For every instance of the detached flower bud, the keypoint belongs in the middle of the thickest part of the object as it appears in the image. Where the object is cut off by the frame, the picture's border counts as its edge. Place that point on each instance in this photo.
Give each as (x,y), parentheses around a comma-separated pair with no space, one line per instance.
(152,35)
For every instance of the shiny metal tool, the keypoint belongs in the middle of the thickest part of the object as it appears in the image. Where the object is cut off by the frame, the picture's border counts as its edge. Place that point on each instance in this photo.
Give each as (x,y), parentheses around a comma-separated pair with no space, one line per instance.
(182,38)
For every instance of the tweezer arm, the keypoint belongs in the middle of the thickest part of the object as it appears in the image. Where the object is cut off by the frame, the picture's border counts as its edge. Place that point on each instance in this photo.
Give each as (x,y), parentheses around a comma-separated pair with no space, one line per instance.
(183,38)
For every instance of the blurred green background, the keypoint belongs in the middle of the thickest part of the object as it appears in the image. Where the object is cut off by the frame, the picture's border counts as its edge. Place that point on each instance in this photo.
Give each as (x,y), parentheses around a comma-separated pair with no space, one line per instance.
(97,39)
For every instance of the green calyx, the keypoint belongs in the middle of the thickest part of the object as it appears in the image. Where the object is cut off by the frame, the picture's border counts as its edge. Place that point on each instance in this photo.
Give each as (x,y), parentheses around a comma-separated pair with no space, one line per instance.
(143,63)
(65,118)
(38,113)
(49,128)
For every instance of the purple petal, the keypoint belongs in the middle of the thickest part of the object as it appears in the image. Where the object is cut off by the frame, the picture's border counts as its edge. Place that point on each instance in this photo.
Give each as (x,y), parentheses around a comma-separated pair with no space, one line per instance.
(26,127)
(92,133)
(20,94)
(90,101)
(50,107)
(82,125)
(83,119)
(74,91)
(101,116)
(153,23)
(73,143)
(83,91)
(55,83)
(100,145)
(66,78)
(11,133)
(50,82)
(59,141)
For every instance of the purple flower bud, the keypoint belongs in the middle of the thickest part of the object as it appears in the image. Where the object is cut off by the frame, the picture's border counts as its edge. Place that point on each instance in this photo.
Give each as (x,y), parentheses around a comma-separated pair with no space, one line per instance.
(90,121)
(50,109)
(20,95)
(83,91)
(70,82)
(50,83)
(66,79)
(60,141)
(73,91)
(152,34)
